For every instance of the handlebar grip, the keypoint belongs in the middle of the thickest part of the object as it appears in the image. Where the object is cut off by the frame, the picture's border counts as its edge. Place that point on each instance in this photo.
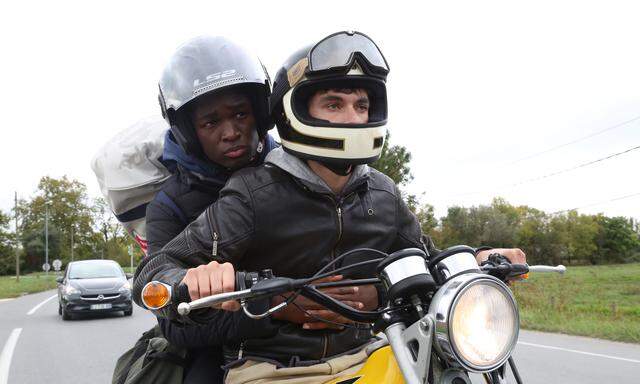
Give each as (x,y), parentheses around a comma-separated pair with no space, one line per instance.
(181,294)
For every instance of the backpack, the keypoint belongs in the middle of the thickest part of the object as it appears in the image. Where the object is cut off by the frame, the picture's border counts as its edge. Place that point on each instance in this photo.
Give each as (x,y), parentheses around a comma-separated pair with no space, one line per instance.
(152,360)
(130,173)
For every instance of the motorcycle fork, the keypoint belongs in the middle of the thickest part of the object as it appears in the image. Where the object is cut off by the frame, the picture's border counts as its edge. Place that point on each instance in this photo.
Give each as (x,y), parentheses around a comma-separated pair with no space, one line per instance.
(499,376)
(412,348)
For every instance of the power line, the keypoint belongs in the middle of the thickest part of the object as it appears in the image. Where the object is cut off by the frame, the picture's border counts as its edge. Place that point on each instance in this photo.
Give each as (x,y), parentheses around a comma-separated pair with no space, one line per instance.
(575,141)
(559,172)
(598,203)
(577,166)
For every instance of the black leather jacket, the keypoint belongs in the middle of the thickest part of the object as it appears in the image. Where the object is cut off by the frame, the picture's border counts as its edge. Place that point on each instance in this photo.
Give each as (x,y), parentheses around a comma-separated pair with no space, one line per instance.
(280,216)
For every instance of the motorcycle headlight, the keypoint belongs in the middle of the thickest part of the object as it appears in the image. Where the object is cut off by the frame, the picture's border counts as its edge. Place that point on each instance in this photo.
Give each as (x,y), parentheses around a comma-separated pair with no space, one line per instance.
(477,322)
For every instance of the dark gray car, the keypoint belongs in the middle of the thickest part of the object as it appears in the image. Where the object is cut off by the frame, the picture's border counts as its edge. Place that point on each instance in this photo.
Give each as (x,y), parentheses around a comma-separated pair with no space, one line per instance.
(93,286)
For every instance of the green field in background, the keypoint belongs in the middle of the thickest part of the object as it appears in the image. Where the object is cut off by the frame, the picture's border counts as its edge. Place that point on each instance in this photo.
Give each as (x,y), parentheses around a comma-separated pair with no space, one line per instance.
(596,301)
(30,283)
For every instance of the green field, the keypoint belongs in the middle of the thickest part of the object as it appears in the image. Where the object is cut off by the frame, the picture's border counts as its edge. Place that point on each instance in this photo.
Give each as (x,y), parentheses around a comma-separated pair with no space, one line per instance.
(596,301)
(30,283)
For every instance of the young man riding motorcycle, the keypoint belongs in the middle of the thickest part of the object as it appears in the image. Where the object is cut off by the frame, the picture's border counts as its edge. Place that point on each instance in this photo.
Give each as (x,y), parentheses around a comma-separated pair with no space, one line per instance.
(311,201)
(216,128)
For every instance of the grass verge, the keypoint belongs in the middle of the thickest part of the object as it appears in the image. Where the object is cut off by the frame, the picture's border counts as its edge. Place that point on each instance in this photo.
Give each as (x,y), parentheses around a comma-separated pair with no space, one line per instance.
(595,301)
(30,283)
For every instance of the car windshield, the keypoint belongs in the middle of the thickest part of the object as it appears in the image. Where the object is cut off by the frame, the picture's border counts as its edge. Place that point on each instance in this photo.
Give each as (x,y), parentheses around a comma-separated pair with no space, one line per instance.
(94,270)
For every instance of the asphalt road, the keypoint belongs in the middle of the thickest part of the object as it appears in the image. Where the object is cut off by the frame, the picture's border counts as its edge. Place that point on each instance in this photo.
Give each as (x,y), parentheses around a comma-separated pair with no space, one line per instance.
(38,347)
(50,350)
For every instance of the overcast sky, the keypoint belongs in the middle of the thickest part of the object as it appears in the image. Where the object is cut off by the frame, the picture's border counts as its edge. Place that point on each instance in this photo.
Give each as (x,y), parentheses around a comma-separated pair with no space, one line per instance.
(479,91)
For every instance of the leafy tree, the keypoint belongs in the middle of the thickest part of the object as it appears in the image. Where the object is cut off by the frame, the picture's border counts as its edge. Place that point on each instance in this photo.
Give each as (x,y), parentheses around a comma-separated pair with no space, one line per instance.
(67,203)
(425,215)
(532,234)
(582,231)
(34,245)
(617,241)
(7,253)
(394,162)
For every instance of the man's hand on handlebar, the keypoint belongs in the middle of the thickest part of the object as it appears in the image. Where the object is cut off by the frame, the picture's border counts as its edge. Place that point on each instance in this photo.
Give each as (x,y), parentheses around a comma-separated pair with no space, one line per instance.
(366,296)
(361,298)
(515,255)
(211,279)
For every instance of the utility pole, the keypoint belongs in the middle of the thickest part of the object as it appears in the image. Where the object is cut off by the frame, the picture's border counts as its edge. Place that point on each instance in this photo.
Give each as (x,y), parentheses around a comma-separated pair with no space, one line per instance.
(46,235)
(72,243)
(16,241)
(130,248)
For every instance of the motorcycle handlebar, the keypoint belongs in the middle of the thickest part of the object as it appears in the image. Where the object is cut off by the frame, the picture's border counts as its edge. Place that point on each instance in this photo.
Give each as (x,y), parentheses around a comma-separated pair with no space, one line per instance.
(561,269)
(185,308)
(278,285)
(275,285)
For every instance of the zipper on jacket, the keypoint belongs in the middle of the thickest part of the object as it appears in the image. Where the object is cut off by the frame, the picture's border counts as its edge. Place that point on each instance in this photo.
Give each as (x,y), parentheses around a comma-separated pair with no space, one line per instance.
(338,205)
(214,246)
(339,210)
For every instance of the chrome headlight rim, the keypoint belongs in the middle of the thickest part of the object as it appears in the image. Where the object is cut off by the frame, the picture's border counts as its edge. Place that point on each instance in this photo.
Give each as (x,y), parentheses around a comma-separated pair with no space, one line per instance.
(488,280)
(442,306)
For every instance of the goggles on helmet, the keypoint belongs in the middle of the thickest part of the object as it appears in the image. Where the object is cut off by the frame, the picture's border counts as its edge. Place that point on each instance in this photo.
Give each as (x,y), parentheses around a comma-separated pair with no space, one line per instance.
(339,51)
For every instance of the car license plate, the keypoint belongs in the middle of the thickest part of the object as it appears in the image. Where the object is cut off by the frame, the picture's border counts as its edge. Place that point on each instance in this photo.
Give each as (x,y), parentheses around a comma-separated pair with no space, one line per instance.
(101,306)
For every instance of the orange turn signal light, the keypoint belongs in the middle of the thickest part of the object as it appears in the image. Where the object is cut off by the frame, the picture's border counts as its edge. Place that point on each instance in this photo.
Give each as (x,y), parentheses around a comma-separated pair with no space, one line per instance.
(525,276)
(156,295)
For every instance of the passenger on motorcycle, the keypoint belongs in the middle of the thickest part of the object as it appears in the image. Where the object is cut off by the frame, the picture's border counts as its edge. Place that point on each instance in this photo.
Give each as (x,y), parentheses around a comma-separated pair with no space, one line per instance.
(217,126)
(312,200)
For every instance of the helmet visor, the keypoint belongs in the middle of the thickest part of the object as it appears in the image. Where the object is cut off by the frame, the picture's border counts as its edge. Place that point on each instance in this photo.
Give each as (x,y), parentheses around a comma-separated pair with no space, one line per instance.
(338,52)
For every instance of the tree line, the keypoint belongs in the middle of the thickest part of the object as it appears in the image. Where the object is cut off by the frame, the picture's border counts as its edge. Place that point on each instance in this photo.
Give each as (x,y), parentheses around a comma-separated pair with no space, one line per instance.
(570,238)
(79,228)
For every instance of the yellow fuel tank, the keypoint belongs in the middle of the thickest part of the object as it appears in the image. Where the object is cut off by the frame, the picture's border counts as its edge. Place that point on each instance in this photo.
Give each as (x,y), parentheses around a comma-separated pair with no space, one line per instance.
(381,367)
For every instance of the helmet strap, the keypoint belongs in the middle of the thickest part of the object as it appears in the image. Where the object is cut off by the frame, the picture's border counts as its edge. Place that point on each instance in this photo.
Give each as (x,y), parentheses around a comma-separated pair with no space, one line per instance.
(342,170)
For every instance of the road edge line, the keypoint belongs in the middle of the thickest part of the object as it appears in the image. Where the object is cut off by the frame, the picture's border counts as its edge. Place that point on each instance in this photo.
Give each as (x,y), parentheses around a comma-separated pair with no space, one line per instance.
(580,352)
(34,309)
(7,355)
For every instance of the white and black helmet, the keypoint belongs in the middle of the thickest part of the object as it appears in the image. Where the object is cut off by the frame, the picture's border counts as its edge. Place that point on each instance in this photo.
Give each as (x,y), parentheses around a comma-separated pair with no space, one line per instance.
(204,65)
(341,60)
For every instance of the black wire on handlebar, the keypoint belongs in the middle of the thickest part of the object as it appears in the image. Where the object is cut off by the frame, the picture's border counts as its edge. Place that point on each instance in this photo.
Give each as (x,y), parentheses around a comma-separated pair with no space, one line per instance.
(332,262)
(320,275)
(346,267)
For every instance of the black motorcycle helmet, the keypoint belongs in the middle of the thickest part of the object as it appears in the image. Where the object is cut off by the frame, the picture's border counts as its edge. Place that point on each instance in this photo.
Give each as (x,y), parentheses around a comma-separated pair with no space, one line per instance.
(341,60)
(204,65)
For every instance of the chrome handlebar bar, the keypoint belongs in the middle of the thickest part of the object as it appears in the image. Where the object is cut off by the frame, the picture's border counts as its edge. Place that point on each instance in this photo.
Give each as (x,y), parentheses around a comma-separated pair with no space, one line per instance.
(561,269)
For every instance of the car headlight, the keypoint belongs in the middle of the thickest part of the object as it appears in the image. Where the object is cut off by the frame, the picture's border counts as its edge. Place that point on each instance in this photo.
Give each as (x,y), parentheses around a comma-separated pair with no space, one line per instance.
(477,322)
(125,287)
(71,290)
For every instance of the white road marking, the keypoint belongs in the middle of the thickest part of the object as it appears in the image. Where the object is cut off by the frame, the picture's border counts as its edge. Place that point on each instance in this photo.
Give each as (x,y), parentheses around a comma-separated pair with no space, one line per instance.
(4,300)
(34,309)
(580,352)
(7,354)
